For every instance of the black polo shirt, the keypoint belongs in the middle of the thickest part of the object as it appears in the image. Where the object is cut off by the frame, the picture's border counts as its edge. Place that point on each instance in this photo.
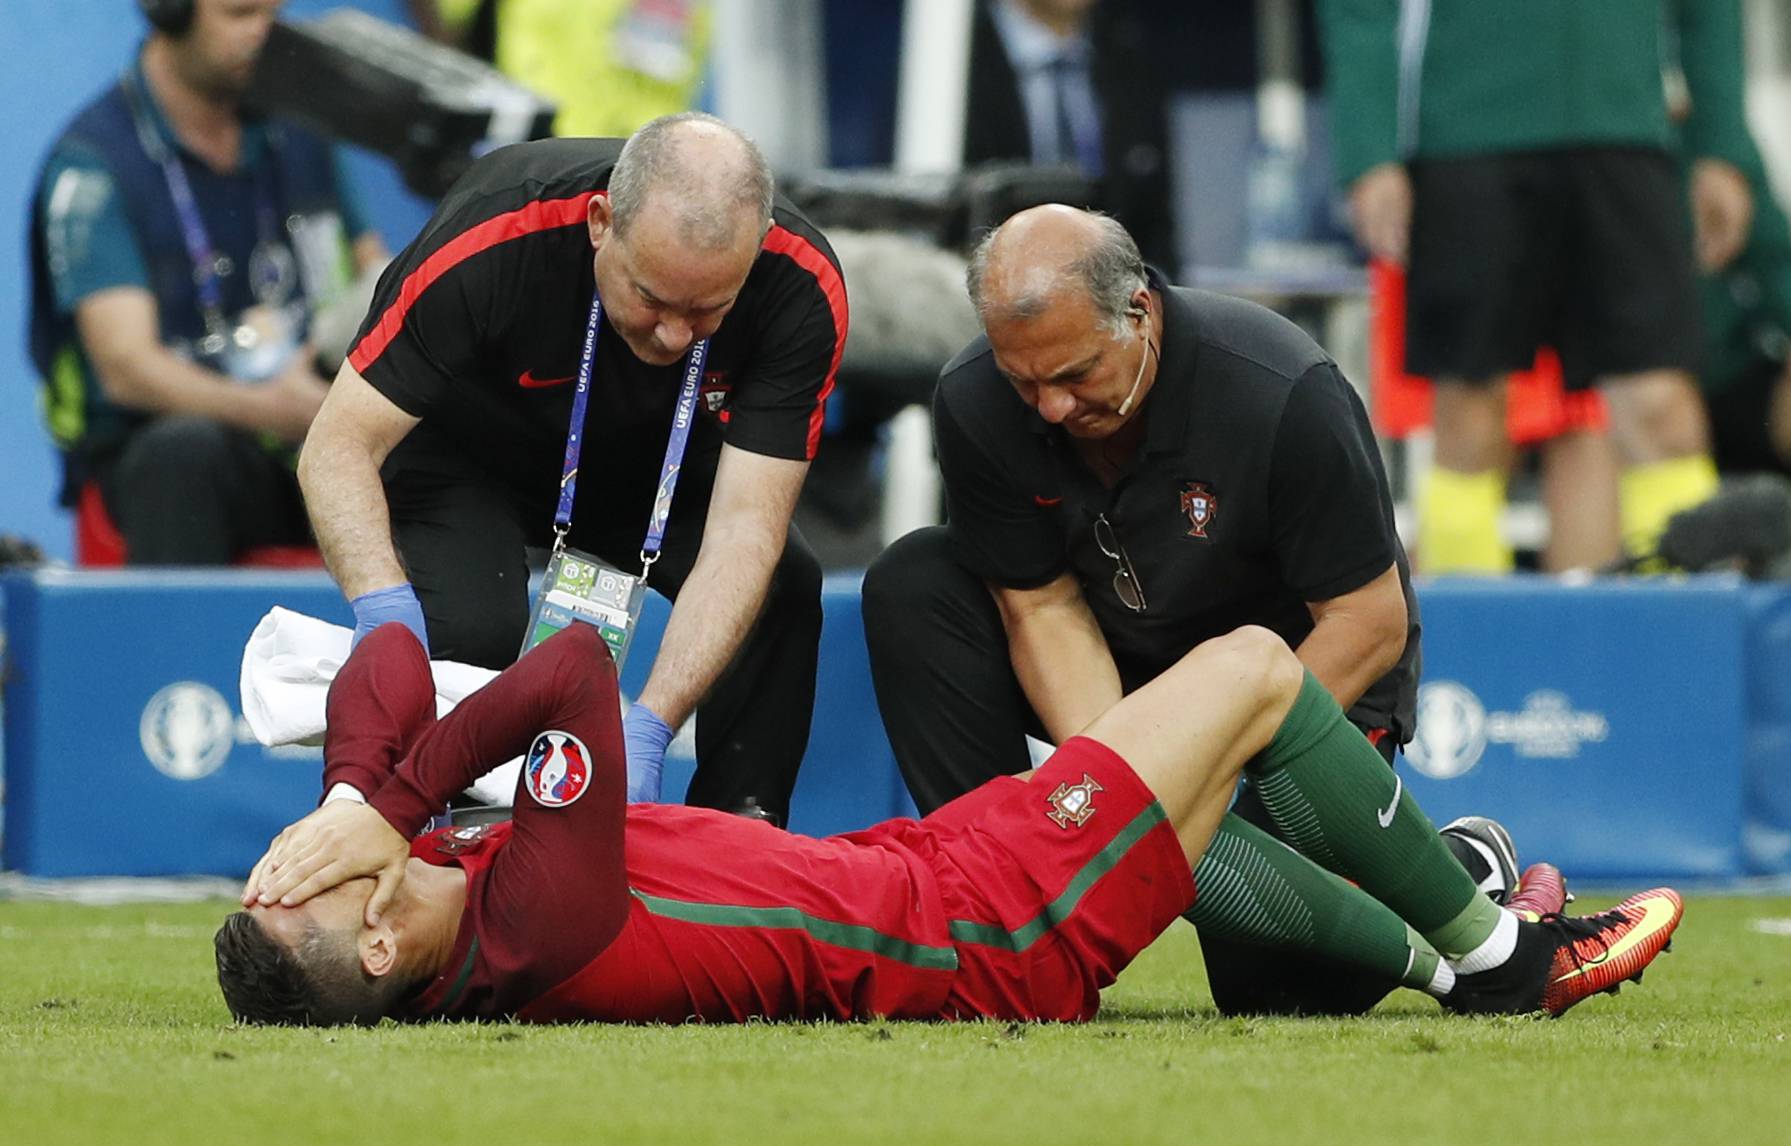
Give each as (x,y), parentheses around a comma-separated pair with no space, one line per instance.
(1258,488)
(477,328)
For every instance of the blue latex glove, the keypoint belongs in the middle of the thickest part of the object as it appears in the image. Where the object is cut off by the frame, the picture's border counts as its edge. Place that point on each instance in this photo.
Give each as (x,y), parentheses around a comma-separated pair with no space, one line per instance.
(399,603)
(645,736)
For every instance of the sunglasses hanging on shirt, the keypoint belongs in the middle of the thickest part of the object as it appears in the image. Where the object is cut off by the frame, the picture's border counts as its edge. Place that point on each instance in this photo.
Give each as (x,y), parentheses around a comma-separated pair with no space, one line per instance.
(1125,578)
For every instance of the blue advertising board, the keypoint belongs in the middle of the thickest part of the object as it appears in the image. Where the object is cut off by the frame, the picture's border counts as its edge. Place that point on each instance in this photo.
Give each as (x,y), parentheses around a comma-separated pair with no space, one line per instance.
(1604,724)
(1766,835)
(126,752)
(1621,730)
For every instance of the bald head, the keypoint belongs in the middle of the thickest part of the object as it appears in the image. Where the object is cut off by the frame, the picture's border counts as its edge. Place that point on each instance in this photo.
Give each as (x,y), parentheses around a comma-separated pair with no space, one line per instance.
(1048,254)
(707,177)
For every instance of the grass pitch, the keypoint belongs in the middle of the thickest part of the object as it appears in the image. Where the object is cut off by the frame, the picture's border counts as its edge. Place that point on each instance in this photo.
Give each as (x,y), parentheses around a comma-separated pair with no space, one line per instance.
(111,1030)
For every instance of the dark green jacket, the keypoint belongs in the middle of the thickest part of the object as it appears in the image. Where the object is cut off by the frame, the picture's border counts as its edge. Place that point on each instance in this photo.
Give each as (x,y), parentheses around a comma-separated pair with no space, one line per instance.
(1434,78)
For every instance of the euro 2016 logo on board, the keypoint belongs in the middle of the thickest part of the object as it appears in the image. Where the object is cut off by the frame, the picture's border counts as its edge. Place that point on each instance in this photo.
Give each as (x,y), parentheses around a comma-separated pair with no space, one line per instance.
(557,770)
(187,730)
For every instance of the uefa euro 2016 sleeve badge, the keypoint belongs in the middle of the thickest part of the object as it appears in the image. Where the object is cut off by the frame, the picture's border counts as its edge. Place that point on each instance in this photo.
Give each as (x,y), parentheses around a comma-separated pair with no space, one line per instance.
(1201,505)
(1073,804)
(557,769)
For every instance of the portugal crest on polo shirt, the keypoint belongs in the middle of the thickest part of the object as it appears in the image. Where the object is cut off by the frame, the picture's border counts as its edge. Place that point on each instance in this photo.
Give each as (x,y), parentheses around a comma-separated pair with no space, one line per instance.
(1073,804)
(1201,505)
(715,391)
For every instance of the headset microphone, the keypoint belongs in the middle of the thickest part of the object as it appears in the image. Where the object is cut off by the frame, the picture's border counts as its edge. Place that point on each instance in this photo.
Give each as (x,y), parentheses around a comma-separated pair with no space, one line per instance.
(1126,406)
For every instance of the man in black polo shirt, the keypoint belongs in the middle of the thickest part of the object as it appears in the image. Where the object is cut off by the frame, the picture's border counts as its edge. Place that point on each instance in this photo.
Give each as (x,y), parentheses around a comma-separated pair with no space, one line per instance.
(438,456)
(1133,468)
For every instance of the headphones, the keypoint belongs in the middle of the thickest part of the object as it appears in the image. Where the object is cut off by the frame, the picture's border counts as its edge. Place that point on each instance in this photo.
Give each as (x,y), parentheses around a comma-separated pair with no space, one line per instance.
(172,17)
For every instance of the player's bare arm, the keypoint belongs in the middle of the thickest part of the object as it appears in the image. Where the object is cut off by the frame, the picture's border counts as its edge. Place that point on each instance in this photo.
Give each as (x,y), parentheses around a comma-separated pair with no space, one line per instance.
(339,473)
(743,537)
(1357,637)
(1059,655)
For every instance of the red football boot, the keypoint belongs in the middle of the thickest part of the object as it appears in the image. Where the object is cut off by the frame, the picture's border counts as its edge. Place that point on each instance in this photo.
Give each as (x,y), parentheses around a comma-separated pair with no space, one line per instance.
(1561,960)
(1540,891)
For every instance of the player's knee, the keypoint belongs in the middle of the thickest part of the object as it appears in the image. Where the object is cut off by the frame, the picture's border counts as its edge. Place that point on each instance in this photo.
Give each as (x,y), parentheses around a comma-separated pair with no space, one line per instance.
(1264,662)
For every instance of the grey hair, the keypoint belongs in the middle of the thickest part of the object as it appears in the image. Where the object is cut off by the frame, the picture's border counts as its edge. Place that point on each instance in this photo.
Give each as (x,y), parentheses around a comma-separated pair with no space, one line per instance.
(709,192)
(1110,272)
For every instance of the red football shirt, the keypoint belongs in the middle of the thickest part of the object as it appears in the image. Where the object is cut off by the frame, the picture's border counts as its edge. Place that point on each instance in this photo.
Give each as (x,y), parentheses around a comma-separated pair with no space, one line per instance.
(581,907)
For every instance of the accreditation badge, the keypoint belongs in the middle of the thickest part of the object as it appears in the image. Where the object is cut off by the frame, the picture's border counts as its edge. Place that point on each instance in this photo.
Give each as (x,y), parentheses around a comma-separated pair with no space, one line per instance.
(580,588)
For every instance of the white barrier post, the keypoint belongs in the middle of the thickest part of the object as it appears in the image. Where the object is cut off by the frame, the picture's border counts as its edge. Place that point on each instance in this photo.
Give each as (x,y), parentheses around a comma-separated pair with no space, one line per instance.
(930,105)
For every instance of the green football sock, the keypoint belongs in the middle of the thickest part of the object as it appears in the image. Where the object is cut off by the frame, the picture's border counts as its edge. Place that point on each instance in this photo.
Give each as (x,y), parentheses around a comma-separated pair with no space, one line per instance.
(1255,889)
(1335,800)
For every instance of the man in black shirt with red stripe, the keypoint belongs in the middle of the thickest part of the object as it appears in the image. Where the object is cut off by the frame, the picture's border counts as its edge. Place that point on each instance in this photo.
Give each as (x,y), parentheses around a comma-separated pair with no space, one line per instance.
(437,457)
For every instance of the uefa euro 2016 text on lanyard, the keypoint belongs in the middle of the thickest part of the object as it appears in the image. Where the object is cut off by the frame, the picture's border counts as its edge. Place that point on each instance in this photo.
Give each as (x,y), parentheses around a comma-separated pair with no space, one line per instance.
(578,586)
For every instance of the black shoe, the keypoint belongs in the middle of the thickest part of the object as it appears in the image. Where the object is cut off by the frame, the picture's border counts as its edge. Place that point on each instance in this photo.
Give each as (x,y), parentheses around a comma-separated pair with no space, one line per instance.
(1484,848)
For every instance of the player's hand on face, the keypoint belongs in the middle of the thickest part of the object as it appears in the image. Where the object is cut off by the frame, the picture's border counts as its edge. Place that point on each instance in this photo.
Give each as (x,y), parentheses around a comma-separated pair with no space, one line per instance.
(340,841)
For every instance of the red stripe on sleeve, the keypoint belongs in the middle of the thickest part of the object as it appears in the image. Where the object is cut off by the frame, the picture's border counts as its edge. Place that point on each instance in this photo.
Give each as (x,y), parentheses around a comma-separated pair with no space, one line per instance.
(809,257)
(541,215)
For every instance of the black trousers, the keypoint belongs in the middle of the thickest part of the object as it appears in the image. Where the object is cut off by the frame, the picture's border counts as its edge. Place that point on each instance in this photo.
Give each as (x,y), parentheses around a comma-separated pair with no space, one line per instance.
(185,490)
(957,717)
(464,538)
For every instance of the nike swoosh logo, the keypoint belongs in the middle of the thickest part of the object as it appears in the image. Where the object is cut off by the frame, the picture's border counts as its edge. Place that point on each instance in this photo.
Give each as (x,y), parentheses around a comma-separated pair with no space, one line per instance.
(1047,502)
(1656,914)
(1385,819)
(528,381)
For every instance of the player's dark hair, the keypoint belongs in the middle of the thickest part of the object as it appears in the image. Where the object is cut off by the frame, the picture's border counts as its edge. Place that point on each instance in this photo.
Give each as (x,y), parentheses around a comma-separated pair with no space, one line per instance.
(316,984)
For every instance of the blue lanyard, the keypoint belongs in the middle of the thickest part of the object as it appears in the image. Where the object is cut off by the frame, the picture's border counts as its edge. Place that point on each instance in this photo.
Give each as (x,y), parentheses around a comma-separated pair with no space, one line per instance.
(192,226)
(682,417)
(199,249)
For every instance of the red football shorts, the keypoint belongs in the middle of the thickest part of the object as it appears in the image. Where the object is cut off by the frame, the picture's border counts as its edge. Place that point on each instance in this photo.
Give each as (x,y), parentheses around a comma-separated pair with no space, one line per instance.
(1053,884)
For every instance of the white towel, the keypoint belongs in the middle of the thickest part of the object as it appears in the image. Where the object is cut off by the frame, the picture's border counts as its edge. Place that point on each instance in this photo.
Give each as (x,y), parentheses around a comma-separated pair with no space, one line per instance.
(288,665)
